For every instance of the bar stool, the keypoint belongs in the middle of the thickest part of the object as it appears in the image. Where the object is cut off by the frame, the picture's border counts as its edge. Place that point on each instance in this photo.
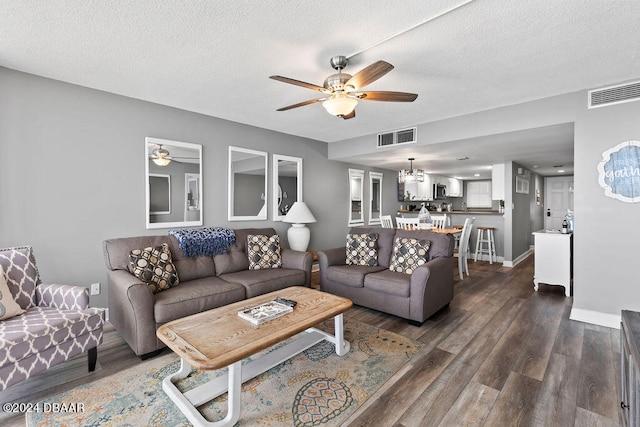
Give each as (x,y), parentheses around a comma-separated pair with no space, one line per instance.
(489,240)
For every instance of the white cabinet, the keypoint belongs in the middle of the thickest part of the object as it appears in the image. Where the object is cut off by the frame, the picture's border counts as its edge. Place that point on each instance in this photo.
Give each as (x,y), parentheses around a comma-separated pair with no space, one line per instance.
(553,260)
(418,191)
(454,187)
(479,194)
(497,182)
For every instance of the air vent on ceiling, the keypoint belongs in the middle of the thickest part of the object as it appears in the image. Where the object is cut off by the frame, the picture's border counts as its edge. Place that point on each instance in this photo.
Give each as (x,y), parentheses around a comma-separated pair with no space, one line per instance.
(404,136)
(614,95)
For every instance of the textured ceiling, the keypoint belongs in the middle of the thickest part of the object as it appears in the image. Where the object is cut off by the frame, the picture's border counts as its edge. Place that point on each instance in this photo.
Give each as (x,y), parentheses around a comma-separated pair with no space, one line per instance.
(214,57)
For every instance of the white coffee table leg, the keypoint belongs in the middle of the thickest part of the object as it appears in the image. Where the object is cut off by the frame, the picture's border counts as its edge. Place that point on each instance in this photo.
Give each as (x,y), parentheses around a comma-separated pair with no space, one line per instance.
(342,346)
(191,412)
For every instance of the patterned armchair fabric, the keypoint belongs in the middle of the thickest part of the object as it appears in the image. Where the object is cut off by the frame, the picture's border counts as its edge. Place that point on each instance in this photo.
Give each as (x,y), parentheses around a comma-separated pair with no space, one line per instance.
(57,325)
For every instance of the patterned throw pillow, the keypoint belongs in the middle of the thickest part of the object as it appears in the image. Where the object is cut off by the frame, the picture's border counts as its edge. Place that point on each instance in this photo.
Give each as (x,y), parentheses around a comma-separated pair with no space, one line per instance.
(362,249)
(8,306)
(263,251)
(154,267)
(408,254)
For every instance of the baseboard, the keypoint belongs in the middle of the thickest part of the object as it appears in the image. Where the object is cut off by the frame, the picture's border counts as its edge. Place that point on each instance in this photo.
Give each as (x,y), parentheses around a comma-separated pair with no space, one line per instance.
(518,260)
(596,318)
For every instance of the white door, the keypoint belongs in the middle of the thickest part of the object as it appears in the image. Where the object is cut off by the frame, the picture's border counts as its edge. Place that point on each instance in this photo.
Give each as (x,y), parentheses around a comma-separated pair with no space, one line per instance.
(558,197)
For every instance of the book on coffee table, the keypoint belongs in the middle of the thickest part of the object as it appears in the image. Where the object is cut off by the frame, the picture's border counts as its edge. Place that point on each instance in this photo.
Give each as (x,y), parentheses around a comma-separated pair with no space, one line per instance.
(264,312)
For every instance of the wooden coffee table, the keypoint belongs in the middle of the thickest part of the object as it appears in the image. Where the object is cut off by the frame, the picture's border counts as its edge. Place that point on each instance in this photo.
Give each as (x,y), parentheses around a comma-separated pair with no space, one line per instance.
(219,338)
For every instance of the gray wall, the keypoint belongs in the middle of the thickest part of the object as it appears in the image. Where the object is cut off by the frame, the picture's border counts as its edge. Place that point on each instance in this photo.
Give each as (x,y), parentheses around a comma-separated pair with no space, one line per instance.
(72,173)
(606,230)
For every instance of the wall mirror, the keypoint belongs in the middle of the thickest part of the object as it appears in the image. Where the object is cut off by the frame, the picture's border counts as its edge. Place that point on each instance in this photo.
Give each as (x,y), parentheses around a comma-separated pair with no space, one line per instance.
(375,197)
(286,184)
(173,169)
(247,184)
(356,179)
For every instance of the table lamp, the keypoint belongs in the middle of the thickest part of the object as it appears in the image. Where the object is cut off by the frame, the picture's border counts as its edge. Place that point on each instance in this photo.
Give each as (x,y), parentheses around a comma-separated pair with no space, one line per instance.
(298,234)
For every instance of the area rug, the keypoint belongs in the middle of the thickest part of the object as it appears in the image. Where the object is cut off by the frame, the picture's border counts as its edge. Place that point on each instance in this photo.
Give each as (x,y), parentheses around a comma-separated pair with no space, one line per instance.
(316,387)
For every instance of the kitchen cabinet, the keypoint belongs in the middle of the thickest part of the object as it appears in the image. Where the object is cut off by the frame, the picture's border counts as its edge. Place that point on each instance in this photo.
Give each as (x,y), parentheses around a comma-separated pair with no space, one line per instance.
(418,191)
(553,260)
(454,187)
(630,367)
(497,182)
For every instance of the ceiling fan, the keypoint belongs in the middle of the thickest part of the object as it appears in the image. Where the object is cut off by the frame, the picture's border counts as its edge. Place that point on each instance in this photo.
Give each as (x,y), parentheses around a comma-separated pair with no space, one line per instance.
(343,91)
(162,157)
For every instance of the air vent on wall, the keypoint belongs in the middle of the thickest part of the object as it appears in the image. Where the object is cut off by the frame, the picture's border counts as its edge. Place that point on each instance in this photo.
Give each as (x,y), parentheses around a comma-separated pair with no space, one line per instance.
(614,95)
(405,136)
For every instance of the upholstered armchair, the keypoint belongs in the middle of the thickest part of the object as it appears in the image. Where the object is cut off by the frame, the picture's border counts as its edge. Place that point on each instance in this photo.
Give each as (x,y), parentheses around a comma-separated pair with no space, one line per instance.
(50,324)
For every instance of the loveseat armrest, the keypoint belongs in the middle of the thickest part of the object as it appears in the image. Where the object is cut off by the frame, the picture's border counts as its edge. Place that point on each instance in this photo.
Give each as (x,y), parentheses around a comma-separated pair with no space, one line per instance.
(63,297)
(431,288)
(298,260)
(329,257)
(131,311)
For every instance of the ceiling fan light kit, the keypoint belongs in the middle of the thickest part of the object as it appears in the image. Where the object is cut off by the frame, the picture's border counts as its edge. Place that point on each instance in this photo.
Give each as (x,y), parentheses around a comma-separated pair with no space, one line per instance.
(344,90)
(160,156)
(411,174)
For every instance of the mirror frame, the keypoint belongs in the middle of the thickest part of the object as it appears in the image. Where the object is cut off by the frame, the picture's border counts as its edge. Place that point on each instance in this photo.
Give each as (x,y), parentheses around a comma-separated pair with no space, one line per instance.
(276,189)
(372,177)
(166,142)
(356,174)
(262,215)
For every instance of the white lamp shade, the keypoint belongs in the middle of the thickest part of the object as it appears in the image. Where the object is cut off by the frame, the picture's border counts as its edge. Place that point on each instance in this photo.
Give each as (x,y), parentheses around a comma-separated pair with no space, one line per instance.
(340,105)
(299,214)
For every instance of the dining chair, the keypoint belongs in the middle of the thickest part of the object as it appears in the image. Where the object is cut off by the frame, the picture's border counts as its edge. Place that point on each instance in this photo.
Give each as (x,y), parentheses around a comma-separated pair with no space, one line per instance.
(408,223)
(387,221)
(463,247)
(439,221)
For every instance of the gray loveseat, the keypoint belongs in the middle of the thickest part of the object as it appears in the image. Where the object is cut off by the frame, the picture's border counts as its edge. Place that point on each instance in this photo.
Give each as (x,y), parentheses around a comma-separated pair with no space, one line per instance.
(414,297)
(205,283)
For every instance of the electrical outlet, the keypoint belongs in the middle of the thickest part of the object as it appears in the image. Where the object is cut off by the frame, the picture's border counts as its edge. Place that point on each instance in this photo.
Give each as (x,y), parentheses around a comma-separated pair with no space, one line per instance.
(95,288)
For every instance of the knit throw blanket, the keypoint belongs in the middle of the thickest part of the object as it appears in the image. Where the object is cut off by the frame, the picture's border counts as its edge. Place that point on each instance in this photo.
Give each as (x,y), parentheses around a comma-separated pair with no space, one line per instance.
(204,241)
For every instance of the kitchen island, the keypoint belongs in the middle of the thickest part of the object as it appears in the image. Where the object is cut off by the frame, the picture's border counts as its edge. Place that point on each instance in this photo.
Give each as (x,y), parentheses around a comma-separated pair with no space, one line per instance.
(484,218)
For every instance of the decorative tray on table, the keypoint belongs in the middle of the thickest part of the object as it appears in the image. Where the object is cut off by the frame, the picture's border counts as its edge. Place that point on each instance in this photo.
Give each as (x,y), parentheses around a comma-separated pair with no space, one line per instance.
(264,312)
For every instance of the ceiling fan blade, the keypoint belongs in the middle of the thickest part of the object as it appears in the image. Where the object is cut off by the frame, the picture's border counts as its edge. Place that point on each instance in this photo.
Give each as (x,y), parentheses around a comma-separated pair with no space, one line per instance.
(300,104)
(386,96)
(351,115)
(369,74)
(299,83)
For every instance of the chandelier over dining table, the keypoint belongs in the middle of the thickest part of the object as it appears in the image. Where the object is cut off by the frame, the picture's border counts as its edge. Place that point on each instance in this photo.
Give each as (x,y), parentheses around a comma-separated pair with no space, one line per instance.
(411,174)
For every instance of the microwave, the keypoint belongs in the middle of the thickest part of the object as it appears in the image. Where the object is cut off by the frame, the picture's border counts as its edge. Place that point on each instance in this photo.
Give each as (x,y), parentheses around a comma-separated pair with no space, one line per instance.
(439,191)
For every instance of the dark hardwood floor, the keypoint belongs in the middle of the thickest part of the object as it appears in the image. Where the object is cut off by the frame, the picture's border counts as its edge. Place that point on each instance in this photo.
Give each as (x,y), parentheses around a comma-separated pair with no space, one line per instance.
(500,355)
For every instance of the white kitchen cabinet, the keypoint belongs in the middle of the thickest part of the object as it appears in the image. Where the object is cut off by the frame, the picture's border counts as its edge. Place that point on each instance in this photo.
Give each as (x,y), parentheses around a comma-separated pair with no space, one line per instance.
(553,259)
(454,187)
(497,182)
(419,191)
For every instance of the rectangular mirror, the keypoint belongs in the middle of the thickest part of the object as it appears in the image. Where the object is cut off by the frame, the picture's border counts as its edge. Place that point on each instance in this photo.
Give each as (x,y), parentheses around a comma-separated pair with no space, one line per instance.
(247,184)
(170,169)
(375,197)
(356,179)
(286,186)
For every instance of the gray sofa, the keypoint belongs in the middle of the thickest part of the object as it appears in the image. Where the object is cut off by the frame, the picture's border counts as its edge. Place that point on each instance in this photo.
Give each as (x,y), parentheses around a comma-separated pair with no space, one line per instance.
(414,297)
(205,283)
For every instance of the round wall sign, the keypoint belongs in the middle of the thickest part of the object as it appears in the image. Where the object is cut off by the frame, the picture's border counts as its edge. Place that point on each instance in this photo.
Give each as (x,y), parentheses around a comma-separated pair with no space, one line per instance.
(619,172)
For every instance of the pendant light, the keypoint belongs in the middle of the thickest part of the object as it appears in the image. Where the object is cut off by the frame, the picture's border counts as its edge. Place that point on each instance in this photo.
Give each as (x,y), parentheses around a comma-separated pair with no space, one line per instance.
(411,175)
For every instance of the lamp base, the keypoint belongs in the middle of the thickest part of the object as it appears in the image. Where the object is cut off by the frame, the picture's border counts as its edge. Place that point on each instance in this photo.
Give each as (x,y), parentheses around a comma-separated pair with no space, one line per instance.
(298,236)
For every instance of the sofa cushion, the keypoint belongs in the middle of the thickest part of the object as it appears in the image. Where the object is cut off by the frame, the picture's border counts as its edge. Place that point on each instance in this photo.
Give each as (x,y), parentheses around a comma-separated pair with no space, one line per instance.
(8,307)
(40,328)
(362,249)
(154,267)
(389,282)
(195,296)
(263,281)
(441,244)
(236,257)
(408,254)
(22,275)
(263,251)
(351,275)
(385,242)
